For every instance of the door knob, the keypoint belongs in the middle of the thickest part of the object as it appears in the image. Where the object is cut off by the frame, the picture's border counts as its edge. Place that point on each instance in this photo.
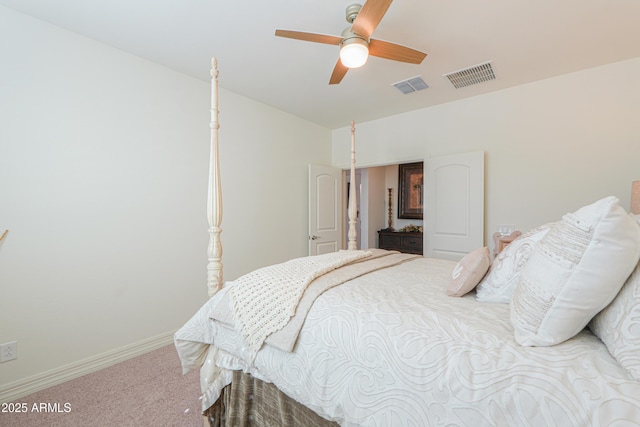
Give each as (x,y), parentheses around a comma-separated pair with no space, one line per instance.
(314,237)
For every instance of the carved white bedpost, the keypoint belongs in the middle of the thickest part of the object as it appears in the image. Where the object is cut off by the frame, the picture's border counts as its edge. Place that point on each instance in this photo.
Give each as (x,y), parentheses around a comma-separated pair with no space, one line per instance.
(214,201)
(353,204)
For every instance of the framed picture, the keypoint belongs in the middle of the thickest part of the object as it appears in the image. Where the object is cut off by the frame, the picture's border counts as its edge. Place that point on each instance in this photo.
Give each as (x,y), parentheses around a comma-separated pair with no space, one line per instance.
(410,193)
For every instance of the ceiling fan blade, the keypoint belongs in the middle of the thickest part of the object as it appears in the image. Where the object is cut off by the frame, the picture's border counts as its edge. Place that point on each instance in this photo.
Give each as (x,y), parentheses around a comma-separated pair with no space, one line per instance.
(338,73)
(369,17)
(396,52)
(309,37)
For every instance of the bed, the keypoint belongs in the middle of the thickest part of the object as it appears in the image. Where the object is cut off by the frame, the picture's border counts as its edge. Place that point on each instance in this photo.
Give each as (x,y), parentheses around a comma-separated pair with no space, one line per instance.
(548,333)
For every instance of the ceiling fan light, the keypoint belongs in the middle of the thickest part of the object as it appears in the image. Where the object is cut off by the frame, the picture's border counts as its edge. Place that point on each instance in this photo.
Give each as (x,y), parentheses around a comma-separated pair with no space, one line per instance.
(354,52)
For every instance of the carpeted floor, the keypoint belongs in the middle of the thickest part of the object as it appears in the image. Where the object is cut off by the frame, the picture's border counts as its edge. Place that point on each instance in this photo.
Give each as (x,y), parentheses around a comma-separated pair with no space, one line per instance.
(148,390)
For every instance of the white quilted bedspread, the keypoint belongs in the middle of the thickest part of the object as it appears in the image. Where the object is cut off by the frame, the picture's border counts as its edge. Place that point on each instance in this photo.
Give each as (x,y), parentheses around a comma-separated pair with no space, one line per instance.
(392,349)
(265,299)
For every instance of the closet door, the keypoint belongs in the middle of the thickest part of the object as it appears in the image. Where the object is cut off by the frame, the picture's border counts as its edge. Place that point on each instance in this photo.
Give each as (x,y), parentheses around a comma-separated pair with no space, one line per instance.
(454,208)
(325,209)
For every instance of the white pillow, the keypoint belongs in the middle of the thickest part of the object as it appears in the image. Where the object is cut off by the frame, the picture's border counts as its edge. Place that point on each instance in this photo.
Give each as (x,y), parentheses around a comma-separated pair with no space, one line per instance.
(574,272)
(618,325)
(468,272)
(500,282)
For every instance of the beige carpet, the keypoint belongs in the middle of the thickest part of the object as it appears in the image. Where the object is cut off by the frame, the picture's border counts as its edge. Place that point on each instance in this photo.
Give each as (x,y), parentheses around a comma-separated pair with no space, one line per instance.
(148,390)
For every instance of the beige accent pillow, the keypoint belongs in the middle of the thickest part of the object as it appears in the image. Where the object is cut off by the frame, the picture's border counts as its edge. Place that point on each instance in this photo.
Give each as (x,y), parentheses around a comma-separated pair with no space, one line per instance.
(618,325)
(574,272)
(468,272)
(500,282)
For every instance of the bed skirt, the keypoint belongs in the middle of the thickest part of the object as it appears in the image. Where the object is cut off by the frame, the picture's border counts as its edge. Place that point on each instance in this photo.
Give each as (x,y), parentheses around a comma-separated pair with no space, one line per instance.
(247,401)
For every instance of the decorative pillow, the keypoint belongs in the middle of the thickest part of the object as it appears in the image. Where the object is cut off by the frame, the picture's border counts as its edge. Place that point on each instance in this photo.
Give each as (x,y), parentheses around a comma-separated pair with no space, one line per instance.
(574,272)
(500,282)
(618,325)
(468,272)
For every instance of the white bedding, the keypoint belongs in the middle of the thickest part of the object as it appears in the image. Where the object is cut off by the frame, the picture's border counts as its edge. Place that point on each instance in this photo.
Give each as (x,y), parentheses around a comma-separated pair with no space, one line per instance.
(392,349)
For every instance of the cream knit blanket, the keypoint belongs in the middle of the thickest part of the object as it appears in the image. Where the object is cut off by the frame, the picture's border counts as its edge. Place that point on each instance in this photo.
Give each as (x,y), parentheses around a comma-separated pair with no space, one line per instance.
(265,299)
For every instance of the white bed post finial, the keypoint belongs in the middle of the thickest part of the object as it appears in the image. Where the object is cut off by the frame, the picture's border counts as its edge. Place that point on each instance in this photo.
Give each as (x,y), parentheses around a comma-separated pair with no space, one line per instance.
(214,201)
(353,205)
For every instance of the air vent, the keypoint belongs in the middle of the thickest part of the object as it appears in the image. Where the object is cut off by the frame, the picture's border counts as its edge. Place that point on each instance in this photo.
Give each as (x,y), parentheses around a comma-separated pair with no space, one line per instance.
(413,84)
(471,75)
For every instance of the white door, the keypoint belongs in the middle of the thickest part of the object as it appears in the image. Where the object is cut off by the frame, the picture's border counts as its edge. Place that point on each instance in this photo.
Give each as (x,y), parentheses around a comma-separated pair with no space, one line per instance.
(325,209)
(454,208)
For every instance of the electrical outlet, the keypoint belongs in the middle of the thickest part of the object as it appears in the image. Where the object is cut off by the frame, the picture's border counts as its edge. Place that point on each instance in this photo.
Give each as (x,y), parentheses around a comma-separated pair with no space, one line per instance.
(8,351)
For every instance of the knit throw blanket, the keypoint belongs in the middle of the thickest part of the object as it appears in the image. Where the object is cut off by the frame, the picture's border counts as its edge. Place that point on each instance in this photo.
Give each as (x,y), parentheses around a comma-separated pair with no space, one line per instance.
(265,299)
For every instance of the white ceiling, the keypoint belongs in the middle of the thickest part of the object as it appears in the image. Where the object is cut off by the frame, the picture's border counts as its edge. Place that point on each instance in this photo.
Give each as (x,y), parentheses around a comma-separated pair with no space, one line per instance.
(526,40)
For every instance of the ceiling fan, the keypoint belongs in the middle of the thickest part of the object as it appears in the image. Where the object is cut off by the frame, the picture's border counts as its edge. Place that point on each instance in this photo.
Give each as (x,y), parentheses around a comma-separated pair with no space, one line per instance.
(356,43)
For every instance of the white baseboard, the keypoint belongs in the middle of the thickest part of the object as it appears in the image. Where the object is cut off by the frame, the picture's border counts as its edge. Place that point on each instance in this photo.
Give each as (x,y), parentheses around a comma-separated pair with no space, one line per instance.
(18,389)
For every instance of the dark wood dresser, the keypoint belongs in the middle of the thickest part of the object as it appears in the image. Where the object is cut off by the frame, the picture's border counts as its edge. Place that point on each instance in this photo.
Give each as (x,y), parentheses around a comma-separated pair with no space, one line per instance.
(410,243)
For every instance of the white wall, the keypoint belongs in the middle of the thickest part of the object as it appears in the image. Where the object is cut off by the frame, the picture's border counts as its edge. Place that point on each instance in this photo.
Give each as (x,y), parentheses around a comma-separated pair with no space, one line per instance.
(376,208)
(103,181)
(551,146)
